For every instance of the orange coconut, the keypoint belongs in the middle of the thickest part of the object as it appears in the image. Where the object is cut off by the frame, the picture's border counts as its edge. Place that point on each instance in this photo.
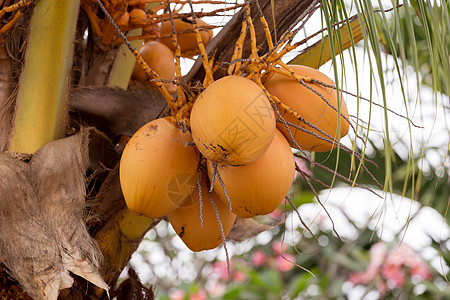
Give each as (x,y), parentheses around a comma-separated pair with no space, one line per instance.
(157,171)
(185,36)
(160,59)
(258,188)
(311,107)
(123,21)
(186,221)
(138,17)
(232,121)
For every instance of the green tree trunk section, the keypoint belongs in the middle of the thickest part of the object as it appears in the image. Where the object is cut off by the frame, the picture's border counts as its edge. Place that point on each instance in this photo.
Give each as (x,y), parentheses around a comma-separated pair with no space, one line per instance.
(41,111)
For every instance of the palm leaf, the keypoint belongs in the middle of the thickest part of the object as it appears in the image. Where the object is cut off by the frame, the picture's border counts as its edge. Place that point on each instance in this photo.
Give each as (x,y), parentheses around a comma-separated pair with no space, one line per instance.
(320,53)
(430,188)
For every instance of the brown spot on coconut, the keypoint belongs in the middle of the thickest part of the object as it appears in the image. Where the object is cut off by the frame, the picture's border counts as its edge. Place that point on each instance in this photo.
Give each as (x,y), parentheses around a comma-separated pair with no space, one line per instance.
(235,118)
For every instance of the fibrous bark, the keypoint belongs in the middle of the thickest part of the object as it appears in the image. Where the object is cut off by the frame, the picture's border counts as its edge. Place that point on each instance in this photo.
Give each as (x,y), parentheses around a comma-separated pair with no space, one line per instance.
(43,236)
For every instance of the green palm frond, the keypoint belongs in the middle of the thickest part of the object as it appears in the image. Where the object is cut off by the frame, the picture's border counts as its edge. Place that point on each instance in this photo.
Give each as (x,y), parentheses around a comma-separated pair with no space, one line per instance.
(424,35)
(430,187)
(404,43)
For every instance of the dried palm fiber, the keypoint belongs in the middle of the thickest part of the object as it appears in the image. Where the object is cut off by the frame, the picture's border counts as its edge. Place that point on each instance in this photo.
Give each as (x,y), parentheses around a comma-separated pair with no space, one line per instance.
(115,111)
(12,48)
(6,100)
(133,289)
(42,232)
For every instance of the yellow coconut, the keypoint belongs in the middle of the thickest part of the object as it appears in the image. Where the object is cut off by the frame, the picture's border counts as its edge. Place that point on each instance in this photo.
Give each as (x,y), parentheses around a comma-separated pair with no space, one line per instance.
(311,107)
(157,171)
(258,188)
(161,60)
(187,223)
(185,35)
(232,121)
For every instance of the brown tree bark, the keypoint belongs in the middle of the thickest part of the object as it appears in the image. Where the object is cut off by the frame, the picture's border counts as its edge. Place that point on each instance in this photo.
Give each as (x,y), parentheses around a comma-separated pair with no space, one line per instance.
(281,17)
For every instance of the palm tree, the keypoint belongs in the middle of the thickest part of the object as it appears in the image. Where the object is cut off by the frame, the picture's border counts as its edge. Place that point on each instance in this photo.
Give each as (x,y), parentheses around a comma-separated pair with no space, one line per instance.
(65,72)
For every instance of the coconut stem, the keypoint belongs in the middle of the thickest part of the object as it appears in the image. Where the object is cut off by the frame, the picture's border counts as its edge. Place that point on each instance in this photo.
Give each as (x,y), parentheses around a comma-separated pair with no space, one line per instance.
(42,97)
(152,74)
(119,238)
(124,63)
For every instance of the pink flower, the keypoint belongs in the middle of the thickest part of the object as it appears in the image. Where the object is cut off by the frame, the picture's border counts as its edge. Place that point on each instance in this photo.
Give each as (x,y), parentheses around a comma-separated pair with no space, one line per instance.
(392,266)
(200,295)
(278,247)
(378,254)
(322,220)
(359,278)
(239,276)
(366,277)
(220,268)
(277,213)
(403,254)
(216,289)
(285,263)
(176,294)
(280,210)
(259,258)
(394,274)
(406,256)
(421,271)
(302,166)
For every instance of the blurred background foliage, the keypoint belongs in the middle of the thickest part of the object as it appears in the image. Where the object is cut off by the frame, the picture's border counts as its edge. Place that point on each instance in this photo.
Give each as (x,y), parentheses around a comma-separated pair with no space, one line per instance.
(319,267)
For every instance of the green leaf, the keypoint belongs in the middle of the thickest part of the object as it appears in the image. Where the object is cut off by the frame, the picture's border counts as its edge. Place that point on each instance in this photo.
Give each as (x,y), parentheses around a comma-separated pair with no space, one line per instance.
(233,292)
(303,197)
(272,281)
(298,284)
(321,52)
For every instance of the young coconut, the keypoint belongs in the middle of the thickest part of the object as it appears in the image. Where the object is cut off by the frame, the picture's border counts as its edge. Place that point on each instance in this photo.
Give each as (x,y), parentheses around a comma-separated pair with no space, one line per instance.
(187,221)
(257,188)
(138,17)
(232,121)
(157,170)
(311,107)
(161,60)
(185,36)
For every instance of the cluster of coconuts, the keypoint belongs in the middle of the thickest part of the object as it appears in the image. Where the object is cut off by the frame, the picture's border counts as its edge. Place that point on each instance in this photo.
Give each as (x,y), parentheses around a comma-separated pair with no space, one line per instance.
(159,54)
(249,160)
(134,17)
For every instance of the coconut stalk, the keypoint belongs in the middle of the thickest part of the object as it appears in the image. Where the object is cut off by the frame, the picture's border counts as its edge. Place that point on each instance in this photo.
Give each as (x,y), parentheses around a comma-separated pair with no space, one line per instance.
(124,63)
(41,111)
